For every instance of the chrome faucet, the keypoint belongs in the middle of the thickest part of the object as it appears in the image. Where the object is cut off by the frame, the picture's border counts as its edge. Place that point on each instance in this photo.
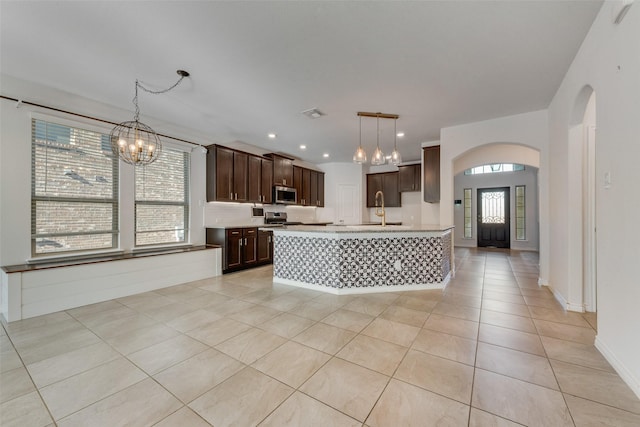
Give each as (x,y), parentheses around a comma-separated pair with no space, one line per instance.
(380,212)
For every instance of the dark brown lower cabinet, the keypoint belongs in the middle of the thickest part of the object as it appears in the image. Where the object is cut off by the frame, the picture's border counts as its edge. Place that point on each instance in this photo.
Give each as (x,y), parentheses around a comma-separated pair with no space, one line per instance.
(265,247)
(240,247)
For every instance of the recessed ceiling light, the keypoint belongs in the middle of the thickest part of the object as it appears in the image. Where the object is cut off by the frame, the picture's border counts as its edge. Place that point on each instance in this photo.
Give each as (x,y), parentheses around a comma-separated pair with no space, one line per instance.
(400,134)
(272,136)
(303,147)
(325,155)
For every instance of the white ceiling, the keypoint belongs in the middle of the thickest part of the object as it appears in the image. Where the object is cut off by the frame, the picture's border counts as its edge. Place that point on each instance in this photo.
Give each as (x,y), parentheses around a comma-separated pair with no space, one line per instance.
(255,66)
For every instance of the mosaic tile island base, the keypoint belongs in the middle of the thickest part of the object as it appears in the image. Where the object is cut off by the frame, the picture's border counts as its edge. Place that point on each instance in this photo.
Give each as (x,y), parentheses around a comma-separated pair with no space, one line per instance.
(363,259)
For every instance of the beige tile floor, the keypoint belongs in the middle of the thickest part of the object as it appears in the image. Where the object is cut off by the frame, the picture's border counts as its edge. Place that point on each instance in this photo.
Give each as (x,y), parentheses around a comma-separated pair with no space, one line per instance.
(493,349)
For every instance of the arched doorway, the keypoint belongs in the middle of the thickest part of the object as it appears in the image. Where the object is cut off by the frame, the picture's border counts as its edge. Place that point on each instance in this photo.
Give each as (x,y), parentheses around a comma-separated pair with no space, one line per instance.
(520,165)
(582,207)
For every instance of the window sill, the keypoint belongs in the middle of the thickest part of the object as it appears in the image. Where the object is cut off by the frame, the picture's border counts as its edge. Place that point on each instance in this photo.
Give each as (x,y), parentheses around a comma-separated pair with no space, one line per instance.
(160,248)
(105,257)
(71,258)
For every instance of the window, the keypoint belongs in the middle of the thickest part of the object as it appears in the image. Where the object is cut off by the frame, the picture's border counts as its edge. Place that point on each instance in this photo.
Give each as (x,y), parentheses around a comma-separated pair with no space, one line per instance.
(520,213)
(74,190)
(467,213)
(162,200)
(494,168)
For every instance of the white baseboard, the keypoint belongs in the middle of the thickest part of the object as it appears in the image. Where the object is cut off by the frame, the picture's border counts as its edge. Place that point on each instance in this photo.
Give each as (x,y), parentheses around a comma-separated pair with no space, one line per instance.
(625,374)
(575,307)
(559,297)
(466,244)
(366,290)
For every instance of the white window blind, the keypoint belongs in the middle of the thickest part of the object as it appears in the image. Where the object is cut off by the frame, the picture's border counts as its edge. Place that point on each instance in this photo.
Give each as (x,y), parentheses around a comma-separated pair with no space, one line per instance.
(74,190)
(162,199)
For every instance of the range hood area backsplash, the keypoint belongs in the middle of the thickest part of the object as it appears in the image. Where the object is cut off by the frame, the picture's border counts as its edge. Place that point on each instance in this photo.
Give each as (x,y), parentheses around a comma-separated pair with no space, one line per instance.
(219,213)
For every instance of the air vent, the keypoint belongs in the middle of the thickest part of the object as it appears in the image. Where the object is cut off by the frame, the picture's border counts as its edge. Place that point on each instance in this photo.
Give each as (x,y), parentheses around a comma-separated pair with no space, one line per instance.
(313,113)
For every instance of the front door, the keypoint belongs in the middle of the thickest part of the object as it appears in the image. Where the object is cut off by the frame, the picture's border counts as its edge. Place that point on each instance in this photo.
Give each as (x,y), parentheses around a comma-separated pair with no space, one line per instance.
(493,217)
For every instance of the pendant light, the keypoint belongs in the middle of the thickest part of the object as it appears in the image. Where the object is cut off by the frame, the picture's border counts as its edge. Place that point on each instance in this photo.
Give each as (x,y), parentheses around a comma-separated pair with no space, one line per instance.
(133,141)
(360,155)
(396,158)
(378,156)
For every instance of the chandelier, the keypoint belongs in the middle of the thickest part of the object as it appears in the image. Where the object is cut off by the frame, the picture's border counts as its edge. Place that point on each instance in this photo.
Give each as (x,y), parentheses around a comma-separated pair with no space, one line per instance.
(378,157)
(133,141)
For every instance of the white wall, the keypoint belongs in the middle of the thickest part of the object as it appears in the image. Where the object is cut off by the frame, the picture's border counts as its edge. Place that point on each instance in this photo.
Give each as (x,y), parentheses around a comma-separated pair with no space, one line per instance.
(527,129)
(340,180)
(609,62)
(528,178)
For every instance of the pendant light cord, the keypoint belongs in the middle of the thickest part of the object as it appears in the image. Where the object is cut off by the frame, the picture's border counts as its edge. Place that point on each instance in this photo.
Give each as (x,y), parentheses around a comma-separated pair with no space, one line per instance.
(136,116)
(395,135)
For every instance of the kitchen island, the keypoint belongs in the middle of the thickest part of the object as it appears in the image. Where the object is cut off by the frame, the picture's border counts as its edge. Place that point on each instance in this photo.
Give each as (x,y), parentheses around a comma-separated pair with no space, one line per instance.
(361,259)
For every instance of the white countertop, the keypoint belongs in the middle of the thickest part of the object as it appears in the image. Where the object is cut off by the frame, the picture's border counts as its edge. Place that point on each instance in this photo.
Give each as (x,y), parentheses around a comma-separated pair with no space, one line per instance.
(252,225)
(364,228)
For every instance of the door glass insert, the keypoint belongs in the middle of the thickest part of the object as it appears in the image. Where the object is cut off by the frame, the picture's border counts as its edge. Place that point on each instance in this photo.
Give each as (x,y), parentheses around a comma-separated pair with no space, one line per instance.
(467,213)
(493,208)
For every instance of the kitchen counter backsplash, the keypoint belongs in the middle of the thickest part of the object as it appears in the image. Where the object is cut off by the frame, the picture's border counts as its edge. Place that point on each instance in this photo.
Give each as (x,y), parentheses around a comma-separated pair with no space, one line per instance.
(228,214)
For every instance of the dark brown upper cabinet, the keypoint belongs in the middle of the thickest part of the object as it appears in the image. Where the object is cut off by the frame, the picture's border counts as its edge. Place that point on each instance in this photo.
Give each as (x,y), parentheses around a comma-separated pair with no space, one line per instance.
(226,175)
(313,189)
(282,170)
(267,181)
(309,185)
(431,161)
(386,182)
(236,176)
(320,189)
(297,183)
(410,178)
(303,198)
(259,179)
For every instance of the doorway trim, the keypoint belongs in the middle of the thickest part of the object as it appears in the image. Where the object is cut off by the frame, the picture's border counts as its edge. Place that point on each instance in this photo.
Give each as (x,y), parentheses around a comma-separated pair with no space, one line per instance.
(582,240)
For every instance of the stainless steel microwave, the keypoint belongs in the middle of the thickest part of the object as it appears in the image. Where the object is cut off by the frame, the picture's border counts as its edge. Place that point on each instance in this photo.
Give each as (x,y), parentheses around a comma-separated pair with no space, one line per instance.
(284,195)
